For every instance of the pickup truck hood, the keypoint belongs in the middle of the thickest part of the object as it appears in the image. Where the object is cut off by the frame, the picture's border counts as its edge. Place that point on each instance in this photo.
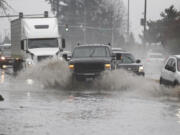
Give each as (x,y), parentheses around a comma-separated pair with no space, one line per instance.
(44,51)
(90,60)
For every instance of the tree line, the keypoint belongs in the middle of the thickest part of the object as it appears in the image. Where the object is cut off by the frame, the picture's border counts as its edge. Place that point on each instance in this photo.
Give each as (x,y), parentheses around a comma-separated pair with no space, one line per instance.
(165,30)
(100,17)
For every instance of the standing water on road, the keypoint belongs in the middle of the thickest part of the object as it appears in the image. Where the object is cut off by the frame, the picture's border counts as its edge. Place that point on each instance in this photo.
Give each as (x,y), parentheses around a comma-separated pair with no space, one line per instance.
(118,103)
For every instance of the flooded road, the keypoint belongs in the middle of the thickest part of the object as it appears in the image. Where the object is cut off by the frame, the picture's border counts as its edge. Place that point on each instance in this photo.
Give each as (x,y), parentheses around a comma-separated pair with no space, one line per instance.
(139,107)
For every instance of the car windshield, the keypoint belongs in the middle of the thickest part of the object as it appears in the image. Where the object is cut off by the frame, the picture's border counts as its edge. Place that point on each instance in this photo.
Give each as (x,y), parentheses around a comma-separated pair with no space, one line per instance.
(91,51)
(125,58)
(42,43)
(178,64)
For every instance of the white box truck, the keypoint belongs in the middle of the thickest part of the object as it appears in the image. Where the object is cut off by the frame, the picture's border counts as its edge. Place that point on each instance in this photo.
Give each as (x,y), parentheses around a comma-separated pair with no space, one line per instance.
(34,39)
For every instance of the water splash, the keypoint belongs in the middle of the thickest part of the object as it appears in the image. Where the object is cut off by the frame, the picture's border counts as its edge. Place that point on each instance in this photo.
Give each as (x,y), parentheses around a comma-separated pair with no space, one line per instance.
(49,73)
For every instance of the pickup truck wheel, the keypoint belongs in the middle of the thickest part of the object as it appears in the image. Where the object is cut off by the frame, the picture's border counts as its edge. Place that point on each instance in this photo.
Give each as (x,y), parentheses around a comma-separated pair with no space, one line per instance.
(175,83)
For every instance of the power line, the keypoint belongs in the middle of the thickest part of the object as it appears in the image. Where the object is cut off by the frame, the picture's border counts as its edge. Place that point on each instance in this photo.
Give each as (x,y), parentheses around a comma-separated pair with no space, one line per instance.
(27,15)
(87,27)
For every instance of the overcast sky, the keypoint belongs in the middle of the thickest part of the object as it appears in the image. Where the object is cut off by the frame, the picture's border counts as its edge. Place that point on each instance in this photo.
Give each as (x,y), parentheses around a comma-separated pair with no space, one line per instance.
(154,8)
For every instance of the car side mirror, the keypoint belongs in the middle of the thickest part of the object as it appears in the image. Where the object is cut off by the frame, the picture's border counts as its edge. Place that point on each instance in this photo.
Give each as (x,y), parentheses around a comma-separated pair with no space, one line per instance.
(173,69)
(167,67)
(138,61)
(170,68)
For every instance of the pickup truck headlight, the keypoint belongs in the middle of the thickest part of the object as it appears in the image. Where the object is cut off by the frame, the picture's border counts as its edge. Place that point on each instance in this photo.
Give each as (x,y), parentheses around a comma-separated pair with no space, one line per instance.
(141,69)
(107,66)
(71,66)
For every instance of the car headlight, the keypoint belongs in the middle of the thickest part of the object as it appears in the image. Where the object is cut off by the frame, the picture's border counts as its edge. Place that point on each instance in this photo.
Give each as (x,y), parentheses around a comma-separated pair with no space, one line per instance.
(29,62)
(3,58)
(107,66)
(71,66)
(141,69)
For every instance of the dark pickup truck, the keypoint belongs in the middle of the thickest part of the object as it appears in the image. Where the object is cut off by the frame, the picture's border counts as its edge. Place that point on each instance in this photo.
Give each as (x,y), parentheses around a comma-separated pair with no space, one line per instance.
(89,61)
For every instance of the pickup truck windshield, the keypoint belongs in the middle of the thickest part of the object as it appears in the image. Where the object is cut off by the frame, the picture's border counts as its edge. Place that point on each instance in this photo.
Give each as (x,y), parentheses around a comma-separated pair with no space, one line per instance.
(42,43)
(91,51)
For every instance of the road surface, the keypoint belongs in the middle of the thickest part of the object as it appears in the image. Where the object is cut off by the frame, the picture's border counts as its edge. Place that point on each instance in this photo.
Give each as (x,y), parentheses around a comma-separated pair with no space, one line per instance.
(120,104)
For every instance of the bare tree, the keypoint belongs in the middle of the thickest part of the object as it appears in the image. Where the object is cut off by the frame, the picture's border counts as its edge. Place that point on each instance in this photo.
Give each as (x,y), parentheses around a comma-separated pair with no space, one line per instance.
(4,7)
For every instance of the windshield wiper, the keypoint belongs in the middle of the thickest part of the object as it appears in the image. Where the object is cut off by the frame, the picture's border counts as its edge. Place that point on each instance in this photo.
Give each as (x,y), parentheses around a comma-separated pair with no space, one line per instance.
(91,54)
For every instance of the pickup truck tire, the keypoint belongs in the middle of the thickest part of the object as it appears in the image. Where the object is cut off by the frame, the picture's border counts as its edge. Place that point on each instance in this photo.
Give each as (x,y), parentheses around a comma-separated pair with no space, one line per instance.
(161,81)
(175,83)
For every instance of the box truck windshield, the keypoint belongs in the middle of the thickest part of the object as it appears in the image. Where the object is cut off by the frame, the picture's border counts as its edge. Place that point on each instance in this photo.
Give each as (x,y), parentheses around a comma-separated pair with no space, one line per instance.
(42,43)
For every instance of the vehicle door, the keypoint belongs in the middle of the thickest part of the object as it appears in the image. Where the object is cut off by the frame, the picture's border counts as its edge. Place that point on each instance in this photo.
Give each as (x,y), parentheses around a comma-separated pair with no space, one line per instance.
(172,70)
(164,72)
(169,70)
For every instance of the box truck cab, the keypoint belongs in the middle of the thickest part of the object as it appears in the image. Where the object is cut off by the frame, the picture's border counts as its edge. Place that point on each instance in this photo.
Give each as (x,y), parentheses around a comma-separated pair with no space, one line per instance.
(34,39)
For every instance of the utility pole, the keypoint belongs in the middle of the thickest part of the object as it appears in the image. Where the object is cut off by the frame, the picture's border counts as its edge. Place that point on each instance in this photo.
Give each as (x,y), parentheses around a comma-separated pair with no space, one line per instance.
(57,10)
(85,22)
(128,19)
(112,16)
(145,18)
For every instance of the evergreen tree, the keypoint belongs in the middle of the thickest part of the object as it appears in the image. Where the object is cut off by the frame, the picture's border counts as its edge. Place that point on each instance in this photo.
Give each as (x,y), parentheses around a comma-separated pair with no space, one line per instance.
(164,29)
(97,13)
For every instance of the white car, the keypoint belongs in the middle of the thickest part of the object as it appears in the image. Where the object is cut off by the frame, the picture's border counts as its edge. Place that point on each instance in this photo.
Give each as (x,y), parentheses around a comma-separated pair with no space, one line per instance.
(170,73)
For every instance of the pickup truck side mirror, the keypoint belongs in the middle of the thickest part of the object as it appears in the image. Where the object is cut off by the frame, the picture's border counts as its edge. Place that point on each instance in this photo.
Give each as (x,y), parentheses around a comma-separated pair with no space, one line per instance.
(22,45)
(138,61)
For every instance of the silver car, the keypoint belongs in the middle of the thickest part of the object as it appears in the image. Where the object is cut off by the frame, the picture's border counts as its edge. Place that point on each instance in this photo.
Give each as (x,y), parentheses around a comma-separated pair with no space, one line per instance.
(170,73)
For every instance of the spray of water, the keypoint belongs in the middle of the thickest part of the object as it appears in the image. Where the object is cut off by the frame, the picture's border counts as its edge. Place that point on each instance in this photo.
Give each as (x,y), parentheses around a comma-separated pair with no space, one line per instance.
(123,80)
(48,73)
(55,74)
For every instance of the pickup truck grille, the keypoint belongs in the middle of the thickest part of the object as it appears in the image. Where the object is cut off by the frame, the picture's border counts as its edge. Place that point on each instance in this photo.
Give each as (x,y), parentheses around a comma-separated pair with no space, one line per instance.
(89,67)
(40,58)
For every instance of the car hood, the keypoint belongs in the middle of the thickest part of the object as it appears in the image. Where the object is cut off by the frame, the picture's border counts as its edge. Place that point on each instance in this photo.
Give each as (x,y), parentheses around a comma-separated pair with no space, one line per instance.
(90,60)
(133,66)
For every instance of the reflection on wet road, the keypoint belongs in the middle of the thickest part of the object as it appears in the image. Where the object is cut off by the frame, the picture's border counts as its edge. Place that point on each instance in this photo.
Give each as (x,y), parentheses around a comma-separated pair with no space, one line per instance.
(32,110)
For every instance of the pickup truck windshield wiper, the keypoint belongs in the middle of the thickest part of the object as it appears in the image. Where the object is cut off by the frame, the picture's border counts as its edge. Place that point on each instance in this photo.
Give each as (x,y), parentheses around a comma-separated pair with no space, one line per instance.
(92,53)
